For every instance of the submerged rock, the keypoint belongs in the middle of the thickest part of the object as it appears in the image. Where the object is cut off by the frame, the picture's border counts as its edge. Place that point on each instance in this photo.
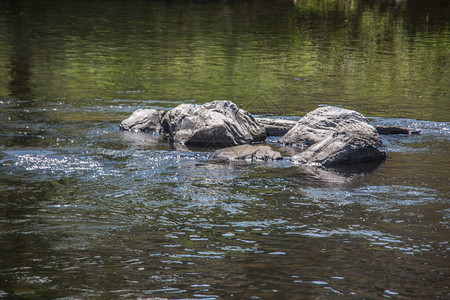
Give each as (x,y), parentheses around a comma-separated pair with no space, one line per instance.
(276,127)
(248,152)
(332,135)
(214,124)
(146,120)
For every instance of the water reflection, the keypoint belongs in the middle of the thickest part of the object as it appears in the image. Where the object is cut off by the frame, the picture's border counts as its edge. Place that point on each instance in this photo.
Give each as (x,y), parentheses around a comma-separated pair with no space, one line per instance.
(21,53)
(373,56)
(338,175)
(88,211)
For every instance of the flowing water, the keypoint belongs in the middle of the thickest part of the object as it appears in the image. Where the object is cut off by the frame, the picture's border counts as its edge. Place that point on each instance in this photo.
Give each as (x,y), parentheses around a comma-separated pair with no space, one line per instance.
(90,212)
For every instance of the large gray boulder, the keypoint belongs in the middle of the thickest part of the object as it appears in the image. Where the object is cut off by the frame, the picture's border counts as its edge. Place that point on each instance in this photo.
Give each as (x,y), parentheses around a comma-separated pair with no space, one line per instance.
(146,120)
(332,135)
(214,124)
(248,152)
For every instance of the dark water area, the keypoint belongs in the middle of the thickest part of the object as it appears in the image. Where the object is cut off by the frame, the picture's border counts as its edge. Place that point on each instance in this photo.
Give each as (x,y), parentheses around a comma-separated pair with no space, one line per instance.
(90,212)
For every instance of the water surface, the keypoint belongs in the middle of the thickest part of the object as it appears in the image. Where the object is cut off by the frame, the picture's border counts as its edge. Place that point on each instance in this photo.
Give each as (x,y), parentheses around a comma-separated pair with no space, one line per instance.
(88,211)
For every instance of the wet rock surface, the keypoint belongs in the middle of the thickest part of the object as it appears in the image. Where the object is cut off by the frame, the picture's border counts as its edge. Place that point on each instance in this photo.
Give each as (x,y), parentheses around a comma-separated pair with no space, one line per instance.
(248,152)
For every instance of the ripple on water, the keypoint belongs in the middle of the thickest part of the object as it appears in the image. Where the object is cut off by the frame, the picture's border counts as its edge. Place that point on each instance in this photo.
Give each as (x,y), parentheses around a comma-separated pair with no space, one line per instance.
(430,133)
(377,239)
(425,127)
(51,164)
(381,197)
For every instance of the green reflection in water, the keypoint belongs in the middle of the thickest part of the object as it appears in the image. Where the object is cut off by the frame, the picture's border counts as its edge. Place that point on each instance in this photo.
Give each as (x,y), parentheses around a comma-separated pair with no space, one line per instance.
(382,58)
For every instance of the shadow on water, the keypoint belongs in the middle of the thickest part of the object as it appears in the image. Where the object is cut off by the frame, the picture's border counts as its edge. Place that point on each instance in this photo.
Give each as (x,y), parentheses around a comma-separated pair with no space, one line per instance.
(357,168)
(340,174)
(25,238)
(21,55)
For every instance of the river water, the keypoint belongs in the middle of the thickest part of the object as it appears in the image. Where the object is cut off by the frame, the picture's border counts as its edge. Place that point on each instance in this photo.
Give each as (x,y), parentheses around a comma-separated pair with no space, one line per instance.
(90,212)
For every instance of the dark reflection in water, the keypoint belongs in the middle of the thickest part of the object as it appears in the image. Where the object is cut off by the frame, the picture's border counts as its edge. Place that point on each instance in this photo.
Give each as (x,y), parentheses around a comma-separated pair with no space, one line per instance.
(339,174)
(20,65)
(87,211)
(378,57)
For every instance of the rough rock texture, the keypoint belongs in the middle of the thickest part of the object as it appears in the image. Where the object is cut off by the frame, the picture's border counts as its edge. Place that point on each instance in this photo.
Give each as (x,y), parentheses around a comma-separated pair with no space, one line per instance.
(248,152)
(147,120)
(341,147)
(173,118)
(276,127)
(214,124)
(332,135)
(319,123)
(395,130)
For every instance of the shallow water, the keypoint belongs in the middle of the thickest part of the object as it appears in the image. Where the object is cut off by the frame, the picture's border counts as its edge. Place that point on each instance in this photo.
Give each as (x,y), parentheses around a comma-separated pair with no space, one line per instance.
(88,211)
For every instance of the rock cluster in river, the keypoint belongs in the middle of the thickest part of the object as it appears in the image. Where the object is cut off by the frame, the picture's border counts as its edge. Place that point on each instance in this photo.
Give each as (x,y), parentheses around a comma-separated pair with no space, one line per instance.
(326,136)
